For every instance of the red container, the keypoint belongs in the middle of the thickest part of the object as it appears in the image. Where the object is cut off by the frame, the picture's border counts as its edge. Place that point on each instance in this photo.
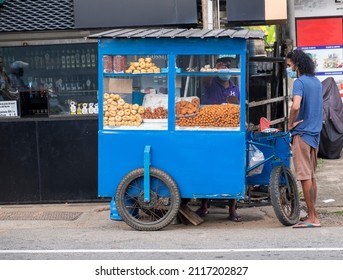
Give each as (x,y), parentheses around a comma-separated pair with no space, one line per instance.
(119,63)
(108,63)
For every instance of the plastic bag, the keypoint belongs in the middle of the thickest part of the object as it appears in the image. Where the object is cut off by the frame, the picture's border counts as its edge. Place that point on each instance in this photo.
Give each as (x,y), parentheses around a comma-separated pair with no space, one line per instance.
(255,156)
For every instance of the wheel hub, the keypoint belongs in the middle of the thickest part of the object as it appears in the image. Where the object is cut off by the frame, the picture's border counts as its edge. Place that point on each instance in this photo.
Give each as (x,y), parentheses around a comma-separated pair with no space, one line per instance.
(148,205)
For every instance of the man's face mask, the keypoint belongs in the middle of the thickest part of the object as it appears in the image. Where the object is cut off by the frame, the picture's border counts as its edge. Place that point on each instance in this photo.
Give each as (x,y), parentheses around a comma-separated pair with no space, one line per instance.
(292,74)
(225,78)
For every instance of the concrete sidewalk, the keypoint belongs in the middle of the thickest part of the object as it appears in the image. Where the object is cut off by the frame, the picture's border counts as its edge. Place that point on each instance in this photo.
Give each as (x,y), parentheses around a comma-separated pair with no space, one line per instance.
(330,182)
(330,199)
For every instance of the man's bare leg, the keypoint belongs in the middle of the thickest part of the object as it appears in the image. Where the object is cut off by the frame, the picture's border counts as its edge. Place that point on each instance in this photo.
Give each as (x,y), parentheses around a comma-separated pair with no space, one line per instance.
(232,211)
(310,194)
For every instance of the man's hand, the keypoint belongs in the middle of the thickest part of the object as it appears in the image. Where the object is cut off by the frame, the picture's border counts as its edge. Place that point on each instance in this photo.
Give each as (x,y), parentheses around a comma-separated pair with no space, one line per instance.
(232,100)
(291,126)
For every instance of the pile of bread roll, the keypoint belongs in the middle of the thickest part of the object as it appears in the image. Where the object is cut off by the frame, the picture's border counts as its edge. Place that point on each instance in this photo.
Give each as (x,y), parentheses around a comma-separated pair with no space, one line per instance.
(119,113)
(143,65)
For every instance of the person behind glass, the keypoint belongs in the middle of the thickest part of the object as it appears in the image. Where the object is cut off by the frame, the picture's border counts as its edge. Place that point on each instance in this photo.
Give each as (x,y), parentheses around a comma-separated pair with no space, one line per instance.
(4,82)
(219,90)
(305,124)
(16,75)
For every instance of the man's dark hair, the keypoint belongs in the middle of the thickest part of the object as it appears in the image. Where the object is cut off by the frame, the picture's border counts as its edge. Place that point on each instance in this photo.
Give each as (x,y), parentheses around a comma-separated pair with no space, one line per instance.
(302,61)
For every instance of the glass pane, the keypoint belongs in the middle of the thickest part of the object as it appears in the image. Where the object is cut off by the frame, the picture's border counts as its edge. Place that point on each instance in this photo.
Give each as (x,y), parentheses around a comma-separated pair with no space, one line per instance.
(135,92)
(208,90)
(54,79)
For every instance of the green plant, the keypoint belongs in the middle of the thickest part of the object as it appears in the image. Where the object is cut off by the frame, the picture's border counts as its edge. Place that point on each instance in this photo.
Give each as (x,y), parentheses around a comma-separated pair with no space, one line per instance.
(320,163)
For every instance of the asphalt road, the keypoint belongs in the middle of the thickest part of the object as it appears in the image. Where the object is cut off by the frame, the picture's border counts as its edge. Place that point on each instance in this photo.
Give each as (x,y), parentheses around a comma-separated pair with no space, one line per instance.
(93,236)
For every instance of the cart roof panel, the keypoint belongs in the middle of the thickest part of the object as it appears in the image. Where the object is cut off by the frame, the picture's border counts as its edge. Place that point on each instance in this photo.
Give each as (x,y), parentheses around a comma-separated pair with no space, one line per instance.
(180,33)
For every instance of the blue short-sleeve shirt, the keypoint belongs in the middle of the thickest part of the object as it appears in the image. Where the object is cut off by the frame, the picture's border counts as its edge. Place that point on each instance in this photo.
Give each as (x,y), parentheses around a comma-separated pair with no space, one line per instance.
(311,109)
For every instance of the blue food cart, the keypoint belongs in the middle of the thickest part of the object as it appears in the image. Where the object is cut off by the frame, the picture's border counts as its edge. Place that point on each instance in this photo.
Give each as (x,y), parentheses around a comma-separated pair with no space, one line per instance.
(160,143)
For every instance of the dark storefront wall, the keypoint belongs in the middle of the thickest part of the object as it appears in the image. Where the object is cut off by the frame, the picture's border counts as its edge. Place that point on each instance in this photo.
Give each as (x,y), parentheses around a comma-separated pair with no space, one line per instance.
(48,161)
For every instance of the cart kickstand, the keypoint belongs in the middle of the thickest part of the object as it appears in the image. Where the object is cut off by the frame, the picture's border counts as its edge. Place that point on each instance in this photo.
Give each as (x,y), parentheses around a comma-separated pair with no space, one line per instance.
(147,164)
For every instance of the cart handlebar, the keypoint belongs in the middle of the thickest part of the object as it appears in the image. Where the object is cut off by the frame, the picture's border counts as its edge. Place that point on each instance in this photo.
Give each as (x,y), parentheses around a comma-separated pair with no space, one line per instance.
(268,135)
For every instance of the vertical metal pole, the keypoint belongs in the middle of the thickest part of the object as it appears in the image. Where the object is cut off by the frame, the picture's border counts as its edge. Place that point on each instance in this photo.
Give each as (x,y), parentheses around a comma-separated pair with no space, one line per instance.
(210,14)
(216,14)
(190,65)
(269,94)
(207,14)
(291,20)
(204,10)
(147,174)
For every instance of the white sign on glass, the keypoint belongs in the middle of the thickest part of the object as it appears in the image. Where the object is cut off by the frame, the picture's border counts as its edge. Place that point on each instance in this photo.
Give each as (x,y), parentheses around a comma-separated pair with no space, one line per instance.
(8,108)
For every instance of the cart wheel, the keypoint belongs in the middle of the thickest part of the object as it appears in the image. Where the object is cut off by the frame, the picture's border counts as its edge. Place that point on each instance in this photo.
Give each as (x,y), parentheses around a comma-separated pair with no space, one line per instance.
(285,200)
(164,200)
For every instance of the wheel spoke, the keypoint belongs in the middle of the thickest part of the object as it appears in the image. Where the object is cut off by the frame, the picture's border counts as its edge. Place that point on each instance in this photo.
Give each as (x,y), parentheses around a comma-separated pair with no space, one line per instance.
(286,200)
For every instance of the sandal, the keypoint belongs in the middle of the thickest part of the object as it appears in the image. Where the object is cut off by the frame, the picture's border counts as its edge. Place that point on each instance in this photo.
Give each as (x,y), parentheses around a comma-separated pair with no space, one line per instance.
(236,219)
(303,218)
(201,212)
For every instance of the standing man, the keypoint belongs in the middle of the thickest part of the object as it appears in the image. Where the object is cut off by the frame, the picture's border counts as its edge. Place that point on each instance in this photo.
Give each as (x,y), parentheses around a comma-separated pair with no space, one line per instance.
(305,124)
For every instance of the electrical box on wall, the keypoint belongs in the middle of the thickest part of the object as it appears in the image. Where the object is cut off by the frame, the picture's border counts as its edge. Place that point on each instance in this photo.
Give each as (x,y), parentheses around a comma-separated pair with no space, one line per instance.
(257,11)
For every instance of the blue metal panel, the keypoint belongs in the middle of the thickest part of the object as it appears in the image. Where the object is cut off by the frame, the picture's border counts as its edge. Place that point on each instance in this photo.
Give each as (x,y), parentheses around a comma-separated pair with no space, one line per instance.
(203,164)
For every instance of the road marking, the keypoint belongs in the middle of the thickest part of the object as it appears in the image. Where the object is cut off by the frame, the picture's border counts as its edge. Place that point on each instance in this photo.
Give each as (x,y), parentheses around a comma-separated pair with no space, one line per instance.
(76,251)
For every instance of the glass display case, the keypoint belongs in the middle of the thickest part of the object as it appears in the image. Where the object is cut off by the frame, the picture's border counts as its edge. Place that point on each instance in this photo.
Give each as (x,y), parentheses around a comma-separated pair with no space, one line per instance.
(56,80)
(129,82)
(136,90)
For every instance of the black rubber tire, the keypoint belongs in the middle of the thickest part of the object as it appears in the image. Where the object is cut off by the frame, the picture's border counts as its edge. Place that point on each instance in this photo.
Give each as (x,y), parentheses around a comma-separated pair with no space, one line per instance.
(286,204)
(164,204)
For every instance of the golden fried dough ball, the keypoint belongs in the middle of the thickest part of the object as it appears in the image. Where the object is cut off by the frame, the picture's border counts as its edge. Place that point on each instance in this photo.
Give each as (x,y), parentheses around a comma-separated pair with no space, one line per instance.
(141,110)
